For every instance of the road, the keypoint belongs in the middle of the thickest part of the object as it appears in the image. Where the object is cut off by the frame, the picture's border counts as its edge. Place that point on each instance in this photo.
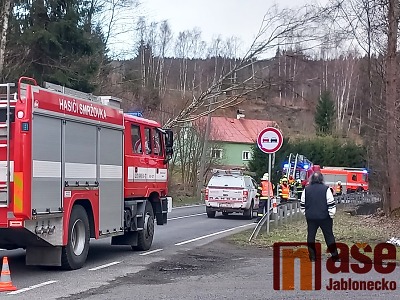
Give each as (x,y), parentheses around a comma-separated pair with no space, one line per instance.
(187,228)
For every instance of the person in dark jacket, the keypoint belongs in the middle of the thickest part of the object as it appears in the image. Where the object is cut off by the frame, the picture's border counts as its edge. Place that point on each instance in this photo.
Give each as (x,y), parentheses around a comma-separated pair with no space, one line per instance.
(318,205)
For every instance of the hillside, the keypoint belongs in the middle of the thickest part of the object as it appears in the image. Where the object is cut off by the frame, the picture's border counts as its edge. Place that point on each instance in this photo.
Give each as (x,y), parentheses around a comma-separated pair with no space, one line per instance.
(292,83)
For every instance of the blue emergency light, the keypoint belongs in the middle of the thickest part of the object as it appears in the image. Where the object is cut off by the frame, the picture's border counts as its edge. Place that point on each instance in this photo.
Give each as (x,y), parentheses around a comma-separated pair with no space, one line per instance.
(285,166)
(306,167)
(135,114)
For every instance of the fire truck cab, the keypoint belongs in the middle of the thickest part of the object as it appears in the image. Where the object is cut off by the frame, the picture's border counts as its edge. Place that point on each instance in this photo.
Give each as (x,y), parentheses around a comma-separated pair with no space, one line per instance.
(74,166)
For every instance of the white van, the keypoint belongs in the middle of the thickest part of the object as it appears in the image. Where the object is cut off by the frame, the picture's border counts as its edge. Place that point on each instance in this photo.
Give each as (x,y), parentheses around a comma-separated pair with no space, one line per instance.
(231,191)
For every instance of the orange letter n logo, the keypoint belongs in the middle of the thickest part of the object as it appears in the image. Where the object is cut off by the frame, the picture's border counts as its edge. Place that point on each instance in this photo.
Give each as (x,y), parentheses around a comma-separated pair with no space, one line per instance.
(289,252)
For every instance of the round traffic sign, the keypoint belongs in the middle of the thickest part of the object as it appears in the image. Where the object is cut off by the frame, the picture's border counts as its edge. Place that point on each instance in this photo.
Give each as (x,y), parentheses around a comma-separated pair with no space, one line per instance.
(270,140)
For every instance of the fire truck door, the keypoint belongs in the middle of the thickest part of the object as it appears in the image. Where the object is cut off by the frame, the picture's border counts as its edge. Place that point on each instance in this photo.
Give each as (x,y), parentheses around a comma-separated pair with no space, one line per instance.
(161,170)
(151,162)
(110,162)
(46,164)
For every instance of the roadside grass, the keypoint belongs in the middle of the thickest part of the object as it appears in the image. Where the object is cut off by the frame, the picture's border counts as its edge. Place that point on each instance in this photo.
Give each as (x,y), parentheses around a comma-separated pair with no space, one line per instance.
(346,228)
(179,201)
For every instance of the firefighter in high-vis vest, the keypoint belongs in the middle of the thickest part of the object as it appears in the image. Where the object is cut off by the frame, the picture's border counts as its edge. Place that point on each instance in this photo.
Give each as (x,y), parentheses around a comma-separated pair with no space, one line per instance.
(284,190)
(299,188)
(339,188)
(264,190)
(292,184)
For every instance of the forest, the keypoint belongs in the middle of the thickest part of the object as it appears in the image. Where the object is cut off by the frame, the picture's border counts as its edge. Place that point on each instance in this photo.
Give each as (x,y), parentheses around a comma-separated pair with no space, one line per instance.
(345,49)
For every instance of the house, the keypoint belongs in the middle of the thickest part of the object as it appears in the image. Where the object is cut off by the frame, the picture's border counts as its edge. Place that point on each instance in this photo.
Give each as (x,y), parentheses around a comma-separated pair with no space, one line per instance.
(232,139)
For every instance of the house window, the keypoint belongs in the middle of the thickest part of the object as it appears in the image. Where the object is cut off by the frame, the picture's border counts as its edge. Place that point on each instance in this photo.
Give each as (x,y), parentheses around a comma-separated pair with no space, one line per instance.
(246,155)
(216,153)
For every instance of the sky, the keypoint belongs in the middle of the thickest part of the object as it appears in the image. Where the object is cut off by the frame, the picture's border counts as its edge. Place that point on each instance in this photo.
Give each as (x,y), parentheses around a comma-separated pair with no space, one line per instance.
(240,18)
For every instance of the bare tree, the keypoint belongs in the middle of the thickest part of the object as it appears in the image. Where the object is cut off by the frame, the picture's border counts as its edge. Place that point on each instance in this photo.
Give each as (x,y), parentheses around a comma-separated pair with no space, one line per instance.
(391,106)
(4,19)
(277,26)
(190,146)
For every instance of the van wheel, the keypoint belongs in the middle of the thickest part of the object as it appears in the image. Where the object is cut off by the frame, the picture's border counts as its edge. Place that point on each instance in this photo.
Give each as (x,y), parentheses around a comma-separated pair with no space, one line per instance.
(145,237)
(74,254)
(248,213)
(210,213)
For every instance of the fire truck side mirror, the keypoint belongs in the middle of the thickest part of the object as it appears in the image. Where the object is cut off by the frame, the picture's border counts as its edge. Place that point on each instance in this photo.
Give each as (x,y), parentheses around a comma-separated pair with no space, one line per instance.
(169,142)
(169,138)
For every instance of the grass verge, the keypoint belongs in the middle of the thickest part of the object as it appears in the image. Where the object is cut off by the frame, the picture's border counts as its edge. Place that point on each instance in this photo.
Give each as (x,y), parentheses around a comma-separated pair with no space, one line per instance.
(179,201)
(346,228)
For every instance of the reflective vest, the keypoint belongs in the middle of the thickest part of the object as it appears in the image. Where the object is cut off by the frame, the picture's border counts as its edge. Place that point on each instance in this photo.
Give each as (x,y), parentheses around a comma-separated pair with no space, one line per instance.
(263,190)
(284,191)
(339,189)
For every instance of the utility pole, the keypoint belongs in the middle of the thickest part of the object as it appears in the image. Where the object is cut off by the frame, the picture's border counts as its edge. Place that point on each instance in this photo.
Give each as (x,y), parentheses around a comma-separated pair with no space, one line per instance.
(203,153)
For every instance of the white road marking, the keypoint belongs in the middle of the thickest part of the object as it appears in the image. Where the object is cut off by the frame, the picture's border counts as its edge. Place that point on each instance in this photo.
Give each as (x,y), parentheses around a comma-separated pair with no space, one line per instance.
(32,287)
(188,206)
(188,216)
(104,266)
(150,252)
(212,234)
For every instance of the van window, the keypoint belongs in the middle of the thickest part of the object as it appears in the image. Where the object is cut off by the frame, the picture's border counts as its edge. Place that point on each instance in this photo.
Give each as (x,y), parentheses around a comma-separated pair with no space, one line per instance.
(147,140)
(228,181)
(136,140)
(354,177)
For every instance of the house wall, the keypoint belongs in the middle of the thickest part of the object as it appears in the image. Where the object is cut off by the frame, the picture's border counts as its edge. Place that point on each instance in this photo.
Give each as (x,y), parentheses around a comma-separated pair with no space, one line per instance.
(232,154)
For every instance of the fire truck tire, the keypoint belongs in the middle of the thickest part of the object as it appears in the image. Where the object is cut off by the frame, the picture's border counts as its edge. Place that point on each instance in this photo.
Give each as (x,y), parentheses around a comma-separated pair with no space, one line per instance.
(74,254)
(145,237)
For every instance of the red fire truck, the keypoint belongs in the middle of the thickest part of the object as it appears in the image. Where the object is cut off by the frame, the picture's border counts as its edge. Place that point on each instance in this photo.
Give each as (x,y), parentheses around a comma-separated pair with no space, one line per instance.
(73,166)
(352,179)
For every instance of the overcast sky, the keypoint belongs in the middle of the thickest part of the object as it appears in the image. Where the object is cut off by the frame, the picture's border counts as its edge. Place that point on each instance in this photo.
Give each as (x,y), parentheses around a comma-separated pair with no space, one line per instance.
(240,18)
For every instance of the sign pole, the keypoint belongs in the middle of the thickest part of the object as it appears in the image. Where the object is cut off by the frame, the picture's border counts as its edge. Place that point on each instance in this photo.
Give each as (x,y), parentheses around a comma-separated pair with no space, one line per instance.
(269,141)
(269,190)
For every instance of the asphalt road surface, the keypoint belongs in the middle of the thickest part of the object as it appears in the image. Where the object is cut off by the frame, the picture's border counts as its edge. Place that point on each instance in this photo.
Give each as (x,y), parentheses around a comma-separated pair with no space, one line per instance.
(189,259)
(187,228)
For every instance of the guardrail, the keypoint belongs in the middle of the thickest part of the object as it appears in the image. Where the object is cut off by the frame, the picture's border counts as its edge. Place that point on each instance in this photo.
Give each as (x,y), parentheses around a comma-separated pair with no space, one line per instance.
(358,198)
(285,211)
(288,211)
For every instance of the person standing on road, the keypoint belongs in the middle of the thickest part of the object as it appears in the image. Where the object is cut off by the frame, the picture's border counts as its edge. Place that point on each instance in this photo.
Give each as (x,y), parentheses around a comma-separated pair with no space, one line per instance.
(299,188)
(265,189)
(284,190)
(339,188)
(318,206)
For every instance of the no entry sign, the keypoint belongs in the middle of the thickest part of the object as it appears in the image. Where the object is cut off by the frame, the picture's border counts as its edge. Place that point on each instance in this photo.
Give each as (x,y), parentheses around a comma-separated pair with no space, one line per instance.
(270,140)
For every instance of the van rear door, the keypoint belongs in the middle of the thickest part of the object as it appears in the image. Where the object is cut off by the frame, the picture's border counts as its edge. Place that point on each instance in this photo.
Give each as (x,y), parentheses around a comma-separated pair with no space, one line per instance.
(225,188)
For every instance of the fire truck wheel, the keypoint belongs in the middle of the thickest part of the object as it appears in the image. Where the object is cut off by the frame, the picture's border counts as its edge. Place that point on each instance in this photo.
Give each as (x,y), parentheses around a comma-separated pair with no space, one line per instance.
(145,237)
(74,254)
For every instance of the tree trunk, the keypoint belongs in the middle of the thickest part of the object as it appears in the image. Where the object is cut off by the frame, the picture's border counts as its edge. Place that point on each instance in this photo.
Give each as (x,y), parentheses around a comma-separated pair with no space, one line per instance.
(391,97)
(3,39)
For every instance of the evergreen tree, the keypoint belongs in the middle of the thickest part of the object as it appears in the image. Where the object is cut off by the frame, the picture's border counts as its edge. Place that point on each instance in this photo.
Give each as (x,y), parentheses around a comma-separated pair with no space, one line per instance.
(56,43)
(324,114)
